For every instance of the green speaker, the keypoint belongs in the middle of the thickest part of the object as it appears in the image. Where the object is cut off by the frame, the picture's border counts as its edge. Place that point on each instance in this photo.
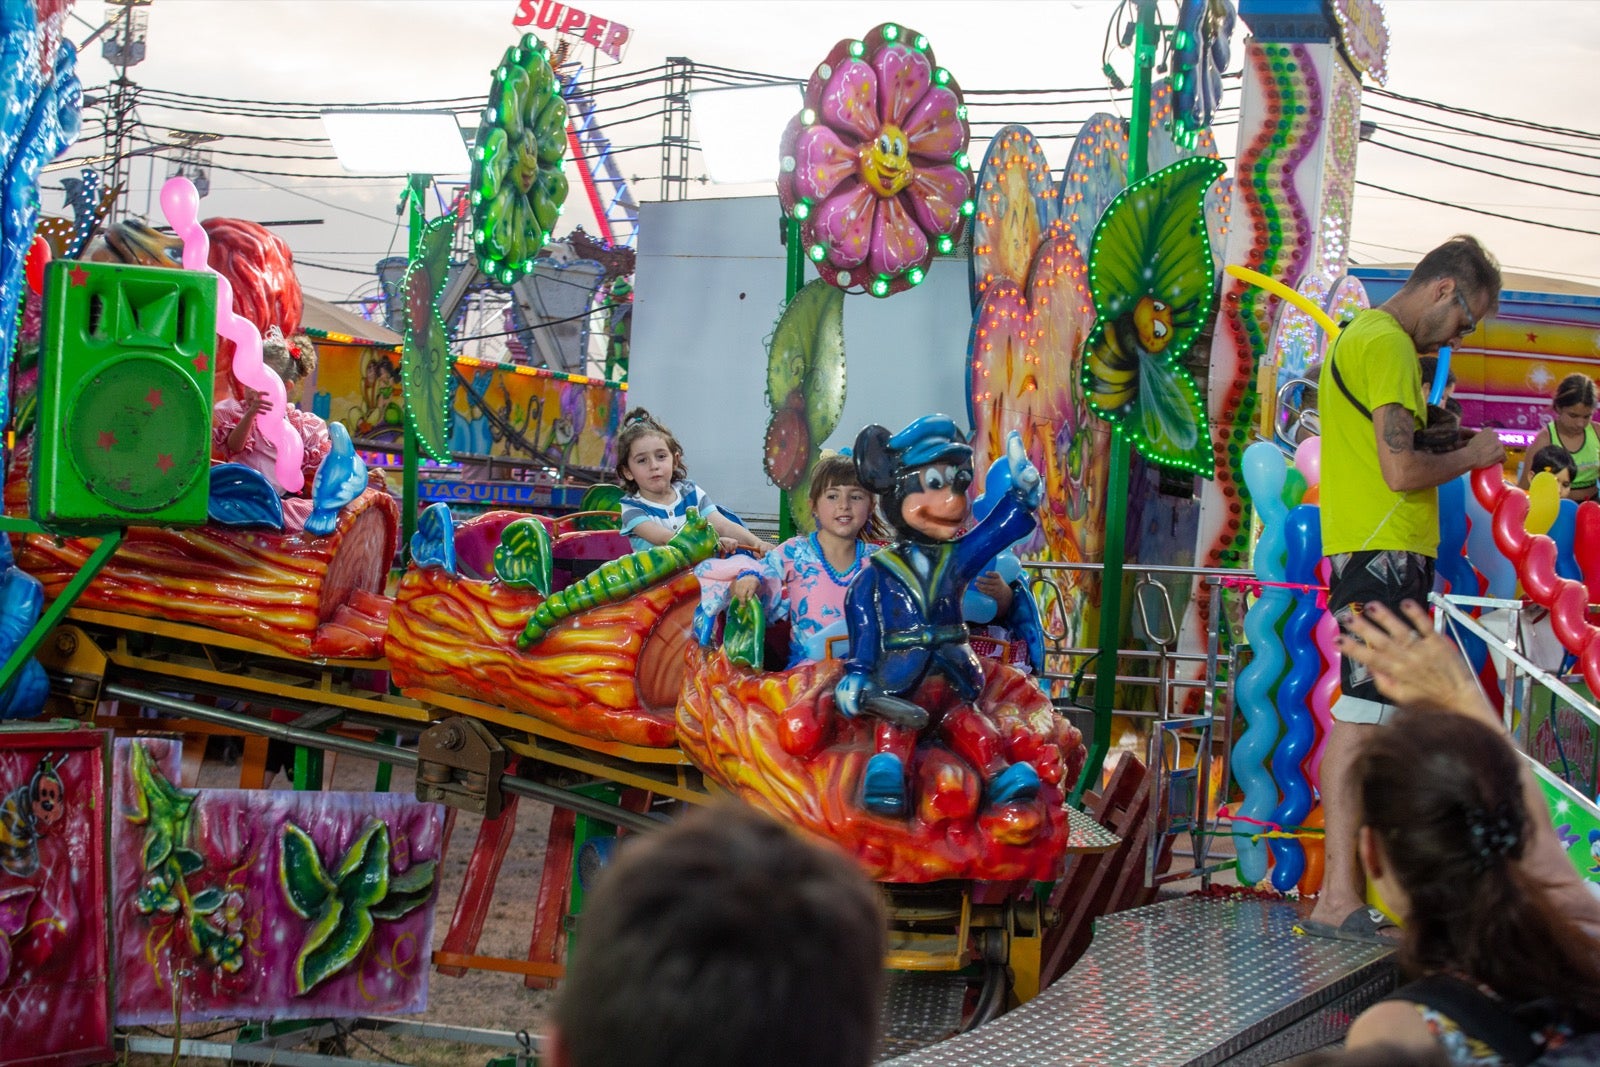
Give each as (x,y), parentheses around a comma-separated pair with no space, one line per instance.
(125,379)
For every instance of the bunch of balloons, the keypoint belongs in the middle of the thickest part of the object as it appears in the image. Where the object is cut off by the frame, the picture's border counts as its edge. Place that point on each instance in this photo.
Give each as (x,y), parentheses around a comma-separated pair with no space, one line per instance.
(1286,691)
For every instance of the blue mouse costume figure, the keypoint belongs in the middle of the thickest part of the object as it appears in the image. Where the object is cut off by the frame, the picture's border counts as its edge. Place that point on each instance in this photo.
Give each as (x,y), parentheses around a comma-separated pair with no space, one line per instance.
(904,609)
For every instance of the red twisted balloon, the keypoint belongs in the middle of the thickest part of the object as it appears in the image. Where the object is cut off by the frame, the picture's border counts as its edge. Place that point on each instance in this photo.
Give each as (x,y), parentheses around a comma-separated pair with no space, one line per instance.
(1534,557)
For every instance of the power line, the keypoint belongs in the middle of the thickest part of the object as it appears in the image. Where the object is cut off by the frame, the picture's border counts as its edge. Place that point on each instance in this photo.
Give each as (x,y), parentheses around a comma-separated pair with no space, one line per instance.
(1505,120)
(1482,133)
(1474,210)
(1487,155)
(1481,170)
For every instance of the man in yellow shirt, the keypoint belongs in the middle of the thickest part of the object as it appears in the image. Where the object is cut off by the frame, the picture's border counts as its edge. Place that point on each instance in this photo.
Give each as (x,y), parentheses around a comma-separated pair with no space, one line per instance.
(1380,513)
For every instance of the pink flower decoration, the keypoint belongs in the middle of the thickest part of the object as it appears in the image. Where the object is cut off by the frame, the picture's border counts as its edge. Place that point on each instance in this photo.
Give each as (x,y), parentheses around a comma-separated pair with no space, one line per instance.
(875,164)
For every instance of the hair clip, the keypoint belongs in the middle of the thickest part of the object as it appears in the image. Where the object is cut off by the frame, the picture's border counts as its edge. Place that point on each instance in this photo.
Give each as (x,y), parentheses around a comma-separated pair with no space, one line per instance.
(1493,834)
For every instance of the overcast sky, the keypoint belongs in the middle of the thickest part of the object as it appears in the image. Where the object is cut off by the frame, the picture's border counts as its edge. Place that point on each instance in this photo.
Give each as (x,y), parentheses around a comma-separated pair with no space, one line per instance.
(1522,58)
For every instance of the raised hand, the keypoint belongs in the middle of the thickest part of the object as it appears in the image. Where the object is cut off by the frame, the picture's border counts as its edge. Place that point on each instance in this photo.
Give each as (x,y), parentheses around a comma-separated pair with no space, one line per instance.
(1024,475)
(1414,665)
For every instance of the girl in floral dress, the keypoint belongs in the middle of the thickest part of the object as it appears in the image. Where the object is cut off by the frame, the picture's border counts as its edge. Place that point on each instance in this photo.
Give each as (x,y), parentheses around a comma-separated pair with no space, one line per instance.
(804,579)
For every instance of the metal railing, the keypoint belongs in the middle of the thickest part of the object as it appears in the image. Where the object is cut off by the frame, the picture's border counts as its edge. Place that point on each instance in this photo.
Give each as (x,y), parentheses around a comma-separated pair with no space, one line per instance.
(1179,801)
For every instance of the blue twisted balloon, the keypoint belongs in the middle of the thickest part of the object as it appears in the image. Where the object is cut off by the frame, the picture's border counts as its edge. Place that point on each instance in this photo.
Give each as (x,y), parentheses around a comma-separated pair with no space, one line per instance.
(1264,472)
(1453,565)
(40,120)
(1304,535)
(1564,533)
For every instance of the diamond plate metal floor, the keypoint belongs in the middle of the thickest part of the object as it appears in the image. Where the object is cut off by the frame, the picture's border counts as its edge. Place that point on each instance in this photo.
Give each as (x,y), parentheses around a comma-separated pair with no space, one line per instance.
(1190,981)
(919,1010)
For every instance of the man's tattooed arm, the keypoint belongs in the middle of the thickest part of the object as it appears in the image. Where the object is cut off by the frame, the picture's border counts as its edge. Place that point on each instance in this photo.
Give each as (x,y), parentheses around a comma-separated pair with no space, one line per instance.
(1398,428)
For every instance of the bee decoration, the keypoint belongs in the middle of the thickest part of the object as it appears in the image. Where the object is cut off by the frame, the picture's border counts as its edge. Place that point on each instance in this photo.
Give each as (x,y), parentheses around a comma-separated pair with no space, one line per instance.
(1153,281)
(28,813)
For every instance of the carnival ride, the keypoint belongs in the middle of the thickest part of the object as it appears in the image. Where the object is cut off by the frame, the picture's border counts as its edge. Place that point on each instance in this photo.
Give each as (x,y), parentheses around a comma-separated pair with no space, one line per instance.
(538,657)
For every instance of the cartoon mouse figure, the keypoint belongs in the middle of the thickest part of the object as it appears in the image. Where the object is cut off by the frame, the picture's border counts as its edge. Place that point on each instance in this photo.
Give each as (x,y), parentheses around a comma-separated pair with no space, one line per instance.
(28,813)
(904,609)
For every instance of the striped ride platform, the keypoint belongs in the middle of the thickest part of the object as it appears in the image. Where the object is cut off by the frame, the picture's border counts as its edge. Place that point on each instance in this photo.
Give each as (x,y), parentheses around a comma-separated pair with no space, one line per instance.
(1189,982)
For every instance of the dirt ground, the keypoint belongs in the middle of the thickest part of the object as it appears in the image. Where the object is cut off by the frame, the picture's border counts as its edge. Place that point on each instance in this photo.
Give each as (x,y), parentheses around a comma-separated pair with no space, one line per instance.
(480,999)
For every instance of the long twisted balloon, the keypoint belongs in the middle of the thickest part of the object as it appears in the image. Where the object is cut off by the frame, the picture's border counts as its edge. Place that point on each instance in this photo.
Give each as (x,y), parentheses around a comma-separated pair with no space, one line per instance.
(1326,636)
(1453,564)
(1534,556)
(1303,530)
(1264,473)
(181,204)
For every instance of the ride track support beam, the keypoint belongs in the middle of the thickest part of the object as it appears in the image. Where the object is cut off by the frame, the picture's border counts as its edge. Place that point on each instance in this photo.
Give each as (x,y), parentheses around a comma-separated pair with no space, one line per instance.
(52,615)
(188,709)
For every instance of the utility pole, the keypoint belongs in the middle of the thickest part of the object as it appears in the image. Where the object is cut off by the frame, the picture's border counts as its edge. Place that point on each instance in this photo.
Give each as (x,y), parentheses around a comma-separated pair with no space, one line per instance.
(123,48)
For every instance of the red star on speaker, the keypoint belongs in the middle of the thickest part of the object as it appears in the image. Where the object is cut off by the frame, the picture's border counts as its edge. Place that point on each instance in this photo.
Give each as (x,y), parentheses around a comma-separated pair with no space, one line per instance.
(79,276)
(164,461)
(153,398)
(200,362)
(108,440)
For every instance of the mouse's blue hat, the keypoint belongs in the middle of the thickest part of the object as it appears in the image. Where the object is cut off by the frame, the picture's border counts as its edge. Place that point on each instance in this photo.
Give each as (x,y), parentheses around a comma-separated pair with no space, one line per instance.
(929,439)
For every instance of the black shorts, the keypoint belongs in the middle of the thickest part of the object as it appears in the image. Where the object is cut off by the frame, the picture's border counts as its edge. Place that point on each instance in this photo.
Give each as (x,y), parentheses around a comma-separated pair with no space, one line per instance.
(1389,577)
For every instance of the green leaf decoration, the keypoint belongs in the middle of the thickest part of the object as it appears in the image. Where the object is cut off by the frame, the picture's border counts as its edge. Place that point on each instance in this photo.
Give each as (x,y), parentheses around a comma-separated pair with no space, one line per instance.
(426,361)
(1153,281)
(157,801)
(306,886)
(345,921)
(157,847)
(744,632)
(160,807)
(805,381)
(524,556)
(346,905)
(418,878)
(335,941)
(206,901)
(601,497)
(517,182)
(189,861)
(408,891)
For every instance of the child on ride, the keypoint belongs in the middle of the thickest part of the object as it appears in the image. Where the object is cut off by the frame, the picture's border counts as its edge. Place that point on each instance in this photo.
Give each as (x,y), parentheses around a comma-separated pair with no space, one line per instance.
(804,579)
(1558,461)
(659,493)
(235,437)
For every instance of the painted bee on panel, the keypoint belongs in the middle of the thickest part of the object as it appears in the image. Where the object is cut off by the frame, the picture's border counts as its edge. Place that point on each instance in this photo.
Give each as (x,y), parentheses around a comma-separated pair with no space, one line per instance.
(27,813)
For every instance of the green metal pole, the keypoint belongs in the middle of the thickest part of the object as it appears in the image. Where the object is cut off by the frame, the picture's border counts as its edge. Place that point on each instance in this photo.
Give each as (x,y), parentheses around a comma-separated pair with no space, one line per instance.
(413,452)
(1146,36)
(794,279)
(58,607)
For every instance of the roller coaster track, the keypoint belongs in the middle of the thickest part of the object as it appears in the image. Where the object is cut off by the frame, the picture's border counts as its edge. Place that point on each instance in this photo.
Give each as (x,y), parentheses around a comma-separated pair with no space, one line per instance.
(469,754)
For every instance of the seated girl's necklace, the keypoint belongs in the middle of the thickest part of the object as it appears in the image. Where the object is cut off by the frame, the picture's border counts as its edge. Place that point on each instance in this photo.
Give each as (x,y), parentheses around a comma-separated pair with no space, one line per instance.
(839,578)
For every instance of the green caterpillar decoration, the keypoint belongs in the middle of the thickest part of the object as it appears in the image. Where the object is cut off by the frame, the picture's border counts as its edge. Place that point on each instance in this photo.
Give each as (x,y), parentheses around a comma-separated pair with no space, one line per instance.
(622,578)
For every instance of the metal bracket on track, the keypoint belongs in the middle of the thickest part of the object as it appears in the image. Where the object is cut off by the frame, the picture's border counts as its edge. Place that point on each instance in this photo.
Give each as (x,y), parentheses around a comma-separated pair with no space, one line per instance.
(460,763)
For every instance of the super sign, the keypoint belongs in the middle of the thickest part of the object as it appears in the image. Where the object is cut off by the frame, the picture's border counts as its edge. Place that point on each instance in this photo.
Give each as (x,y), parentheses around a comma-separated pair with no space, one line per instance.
(609,37)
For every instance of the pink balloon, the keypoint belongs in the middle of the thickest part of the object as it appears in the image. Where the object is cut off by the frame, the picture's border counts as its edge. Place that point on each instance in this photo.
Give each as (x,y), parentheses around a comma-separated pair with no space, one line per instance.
(181,204)
(1308,460)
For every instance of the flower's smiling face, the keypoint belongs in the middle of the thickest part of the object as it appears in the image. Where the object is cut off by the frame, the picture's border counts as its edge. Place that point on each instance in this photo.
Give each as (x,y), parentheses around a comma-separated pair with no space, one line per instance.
(1153,321)
(885,166)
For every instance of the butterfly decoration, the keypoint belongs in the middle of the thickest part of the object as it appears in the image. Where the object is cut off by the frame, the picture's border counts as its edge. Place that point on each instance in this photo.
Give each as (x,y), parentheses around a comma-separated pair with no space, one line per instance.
(426,361)
(1153,281)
